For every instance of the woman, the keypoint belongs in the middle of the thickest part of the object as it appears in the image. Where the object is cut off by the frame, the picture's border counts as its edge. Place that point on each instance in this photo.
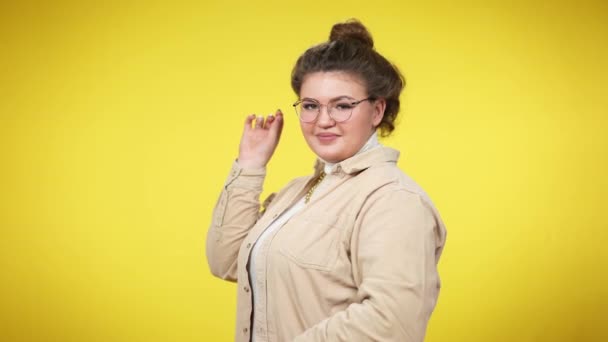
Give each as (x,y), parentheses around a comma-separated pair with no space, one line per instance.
(349,253)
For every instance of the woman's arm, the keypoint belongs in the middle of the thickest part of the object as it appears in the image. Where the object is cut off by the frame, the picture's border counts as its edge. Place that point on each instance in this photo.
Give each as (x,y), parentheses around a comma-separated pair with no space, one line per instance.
(238,206)
(395,245)
(235,212)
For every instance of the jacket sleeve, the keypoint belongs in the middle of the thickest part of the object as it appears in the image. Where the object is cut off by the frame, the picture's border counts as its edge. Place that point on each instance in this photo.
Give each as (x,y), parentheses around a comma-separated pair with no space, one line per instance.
(395,246)
(235,212)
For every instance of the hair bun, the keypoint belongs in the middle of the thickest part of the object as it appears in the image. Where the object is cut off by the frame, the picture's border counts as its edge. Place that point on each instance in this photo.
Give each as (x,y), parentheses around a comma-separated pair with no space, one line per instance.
(352,29)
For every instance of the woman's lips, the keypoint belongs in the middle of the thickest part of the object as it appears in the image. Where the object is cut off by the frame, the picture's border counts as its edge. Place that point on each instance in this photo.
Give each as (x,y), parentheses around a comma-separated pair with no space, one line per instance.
(327,137)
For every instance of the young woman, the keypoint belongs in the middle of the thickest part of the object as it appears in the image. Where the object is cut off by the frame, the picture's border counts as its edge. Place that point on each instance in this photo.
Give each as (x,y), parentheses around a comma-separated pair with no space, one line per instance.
(349,253)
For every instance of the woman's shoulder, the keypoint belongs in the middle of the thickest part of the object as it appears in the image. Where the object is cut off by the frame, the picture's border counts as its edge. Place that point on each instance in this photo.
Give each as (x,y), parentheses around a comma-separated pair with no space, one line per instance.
(400,191)
(389,178)
(392,176)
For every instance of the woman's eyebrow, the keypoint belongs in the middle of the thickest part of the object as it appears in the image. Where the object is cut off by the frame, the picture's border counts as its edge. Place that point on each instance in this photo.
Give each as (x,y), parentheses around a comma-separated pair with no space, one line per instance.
(330,100)
(342,97)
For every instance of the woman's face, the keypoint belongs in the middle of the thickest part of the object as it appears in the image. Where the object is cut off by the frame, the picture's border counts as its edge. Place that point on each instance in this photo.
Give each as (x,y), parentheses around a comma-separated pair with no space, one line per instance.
(335,141)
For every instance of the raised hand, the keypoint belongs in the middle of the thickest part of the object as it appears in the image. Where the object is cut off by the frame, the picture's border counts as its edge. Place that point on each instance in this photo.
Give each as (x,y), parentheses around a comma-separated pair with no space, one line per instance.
(260,139)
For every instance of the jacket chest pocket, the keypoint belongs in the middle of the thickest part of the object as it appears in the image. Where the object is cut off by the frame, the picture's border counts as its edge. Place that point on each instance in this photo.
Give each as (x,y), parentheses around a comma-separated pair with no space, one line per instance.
(311,243)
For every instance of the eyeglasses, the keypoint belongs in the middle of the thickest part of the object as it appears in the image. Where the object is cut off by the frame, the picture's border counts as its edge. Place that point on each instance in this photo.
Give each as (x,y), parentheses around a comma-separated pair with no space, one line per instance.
(339,110)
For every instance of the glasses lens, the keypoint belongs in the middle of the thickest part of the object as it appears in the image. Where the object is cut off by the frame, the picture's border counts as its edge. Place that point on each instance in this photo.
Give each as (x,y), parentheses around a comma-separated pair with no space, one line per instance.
(341,111)
(307,111)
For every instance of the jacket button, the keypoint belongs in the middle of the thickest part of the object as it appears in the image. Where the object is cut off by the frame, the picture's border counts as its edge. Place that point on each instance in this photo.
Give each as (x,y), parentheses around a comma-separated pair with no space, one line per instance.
(245,330)
(248,245)
(246,289)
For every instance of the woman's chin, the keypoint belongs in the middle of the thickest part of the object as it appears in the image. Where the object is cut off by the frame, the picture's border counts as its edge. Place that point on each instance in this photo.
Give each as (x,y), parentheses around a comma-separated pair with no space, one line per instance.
(330,156)
(331,153)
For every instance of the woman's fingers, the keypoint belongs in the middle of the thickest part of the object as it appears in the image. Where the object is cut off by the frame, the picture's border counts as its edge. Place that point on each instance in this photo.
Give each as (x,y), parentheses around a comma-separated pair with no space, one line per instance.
(269,120)
(259,122)
(259,139)
(248,121)
(278,126)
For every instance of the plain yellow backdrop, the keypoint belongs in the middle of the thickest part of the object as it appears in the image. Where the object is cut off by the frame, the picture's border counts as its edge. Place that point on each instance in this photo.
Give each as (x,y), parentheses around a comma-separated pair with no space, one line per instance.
(120,120)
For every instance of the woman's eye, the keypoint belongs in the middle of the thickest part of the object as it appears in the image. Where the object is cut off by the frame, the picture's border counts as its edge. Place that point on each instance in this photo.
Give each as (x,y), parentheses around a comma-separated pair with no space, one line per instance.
(310,106)
(344,106)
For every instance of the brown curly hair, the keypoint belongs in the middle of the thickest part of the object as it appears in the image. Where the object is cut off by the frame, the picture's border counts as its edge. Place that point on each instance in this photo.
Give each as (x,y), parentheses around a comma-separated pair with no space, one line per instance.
(351,49)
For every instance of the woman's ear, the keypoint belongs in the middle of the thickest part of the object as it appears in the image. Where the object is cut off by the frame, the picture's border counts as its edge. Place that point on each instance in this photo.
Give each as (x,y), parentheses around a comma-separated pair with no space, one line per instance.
(379,108)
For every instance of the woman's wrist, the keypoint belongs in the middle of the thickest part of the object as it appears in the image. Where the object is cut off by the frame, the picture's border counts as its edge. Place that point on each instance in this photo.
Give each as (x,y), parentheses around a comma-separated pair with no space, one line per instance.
(250,163)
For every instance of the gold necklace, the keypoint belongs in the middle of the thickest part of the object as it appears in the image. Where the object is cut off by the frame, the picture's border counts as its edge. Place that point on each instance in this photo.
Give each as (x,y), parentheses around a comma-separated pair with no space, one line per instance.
(312,189)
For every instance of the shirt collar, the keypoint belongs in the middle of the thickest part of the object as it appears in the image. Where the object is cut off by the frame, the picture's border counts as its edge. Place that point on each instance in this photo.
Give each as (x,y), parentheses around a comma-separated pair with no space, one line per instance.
(361,161)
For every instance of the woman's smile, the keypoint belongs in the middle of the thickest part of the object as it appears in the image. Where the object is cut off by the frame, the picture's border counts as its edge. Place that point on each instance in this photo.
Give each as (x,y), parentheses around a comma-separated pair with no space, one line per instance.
(327,138)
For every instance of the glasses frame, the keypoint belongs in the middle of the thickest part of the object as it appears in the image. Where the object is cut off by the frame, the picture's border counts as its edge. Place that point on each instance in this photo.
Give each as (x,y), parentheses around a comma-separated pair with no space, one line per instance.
(354,104)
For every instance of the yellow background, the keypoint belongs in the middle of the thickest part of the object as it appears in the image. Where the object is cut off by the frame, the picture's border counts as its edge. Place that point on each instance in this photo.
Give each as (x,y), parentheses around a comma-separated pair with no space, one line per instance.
(120,120)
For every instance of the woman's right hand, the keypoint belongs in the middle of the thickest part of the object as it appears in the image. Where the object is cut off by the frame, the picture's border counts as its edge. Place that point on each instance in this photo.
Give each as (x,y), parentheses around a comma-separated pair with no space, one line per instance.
(260,140)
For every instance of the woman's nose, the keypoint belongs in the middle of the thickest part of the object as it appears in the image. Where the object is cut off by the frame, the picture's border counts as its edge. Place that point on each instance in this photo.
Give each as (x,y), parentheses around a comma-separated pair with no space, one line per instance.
(324,119)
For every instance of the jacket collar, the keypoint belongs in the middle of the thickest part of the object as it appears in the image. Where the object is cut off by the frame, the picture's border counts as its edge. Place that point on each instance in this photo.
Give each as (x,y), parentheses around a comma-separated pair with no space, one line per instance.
(362,161)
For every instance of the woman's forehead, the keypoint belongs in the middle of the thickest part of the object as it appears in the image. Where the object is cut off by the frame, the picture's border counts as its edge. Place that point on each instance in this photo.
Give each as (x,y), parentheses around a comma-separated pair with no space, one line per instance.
(332,85)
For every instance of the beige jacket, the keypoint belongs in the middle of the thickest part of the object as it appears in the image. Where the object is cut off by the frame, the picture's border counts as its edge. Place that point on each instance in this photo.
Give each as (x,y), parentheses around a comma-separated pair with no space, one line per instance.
(359,263)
